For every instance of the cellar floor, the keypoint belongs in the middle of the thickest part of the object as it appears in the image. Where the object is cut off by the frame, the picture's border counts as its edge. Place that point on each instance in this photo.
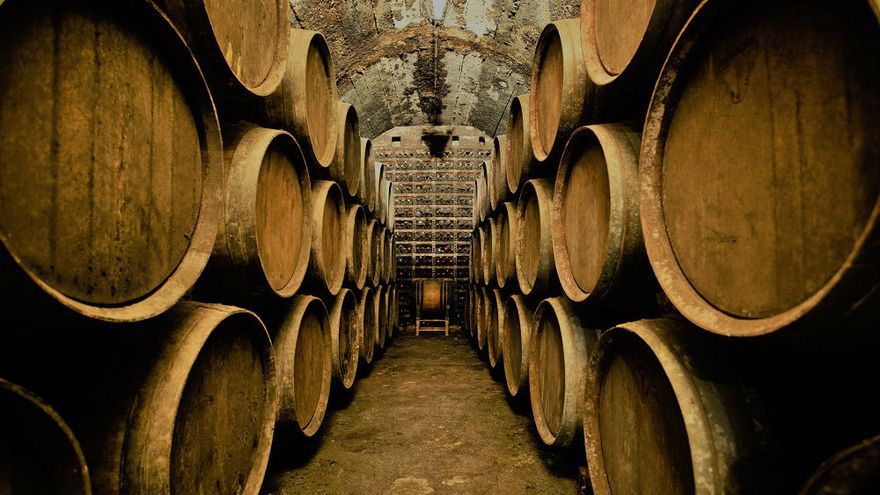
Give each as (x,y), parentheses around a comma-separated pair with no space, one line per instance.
(427,418)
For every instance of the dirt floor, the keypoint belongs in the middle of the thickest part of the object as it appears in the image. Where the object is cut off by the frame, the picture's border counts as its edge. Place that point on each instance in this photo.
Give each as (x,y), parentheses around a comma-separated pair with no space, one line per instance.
(427,418)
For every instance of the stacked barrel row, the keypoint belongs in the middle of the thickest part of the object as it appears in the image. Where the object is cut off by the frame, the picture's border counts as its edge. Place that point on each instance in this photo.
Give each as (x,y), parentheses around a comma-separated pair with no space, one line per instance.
(675,246)
(157,154)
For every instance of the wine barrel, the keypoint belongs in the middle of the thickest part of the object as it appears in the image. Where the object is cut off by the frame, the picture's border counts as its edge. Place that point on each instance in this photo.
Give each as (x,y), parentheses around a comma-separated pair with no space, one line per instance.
(374,238)
(504,245)
(243,47)
(384,191)
(853,471)
(560,347)
(112,160)
(521,158)
(368,177)
(380,329)
(306,102)
(625,45)
(393,277)
(475,201)
(432,299)
(263,243)
(485,181)
(40,453)
(753,219)
(498,192)
(387,253)
(392,208)
(484,317)
(476,255)
(356,247)
(303,345)
(495,334)
(378,179)
(597,236)
(535,270)
(345,330)
(561,90)
(469,311)
(487,232)
(369,324)
(346,166)
(327,262)
(516,342)
(654,388)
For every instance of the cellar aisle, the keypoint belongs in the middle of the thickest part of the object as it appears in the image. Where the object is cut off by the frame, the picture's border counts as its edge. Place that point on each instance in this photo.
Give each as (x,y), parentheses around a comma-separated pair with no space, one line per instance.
(427,418)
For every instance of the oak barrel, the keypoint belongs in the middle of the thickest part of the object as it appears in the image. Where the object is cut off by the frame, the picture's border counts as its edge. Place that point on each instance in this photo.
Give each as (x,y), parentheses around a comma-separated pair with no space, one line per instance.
(853,471)
(504,246)
(306,102)
(655,387)
(487,262)
(561,91)
(263,243)
(374,255)
(516,343)
(303,346)
(521,158)
(560,348)
(39,452)
(597,236)
(476,255)
(760,193)
(112,163)
(327,261)
(495,332)
(345,330)
(346,166)
(484,313)
(368,177)
(498,192)
(356,247)
(383,300)
(625,45)
(535,270)
(242,47)
(369,323)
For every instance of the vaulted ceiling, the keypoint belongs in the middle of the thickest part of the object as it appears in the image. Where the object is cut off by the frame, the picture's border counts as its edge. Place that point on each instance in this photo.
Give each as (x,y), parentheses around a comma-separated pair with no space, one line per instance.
(441,62)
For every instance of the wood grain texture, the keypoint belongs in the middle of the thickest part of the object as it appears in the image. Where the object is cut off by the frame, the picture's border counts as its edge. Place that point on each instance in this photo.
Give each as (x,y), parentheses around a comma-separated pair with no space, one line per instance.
(369,323)
(306,101)
(242,45)
(40,453)
(374,237)
(521,158)
(111,157)
(357,247)
(500,156)
(495,336)
(368,179)
(516,343)
(560,348)
(487,235)
(775,225)
(504,246)
(328,217)
(535,270)
(303,349)
(345,337)
(346,168)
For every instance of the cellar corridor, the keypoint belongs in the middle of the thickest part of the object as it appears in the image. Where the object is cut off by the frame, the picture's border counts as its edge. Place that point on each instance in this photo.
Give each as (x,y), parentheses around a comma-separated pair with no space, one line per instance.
(427,418)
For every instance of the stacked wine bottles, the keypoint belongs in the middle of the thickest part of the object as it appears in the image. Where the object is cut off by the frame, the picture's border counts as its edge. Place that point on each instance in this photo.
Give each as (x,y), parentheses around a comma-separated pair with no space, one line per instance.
(196,240)
(674,254)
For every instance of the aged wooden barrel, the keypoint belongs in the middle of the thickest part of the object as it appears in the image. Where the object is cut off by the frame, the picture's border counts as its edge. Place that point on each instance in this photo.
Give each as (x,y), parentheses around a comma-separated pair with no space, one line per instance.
(392,208)
(387,254)
(485,183)
(560,347)
(327,261)
(380,329)
(346,168)
(597,235)
(561,90)
(760,188)
(697,431)
(487,262)
(306,102)
(498,192)
(40,453)
(517,342)
(535,270)
(484,313)
(521,158)
(495,334)
(242,47)
(504,246)
(476,255)
(264,240)
(369,323)
(374,238)
(368,177)
(625,45)
(854,471)
(303,346)
(356,246)
(378,179)
(475,201)
(345,337)
(384,197)
(110,194)
(432,299)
